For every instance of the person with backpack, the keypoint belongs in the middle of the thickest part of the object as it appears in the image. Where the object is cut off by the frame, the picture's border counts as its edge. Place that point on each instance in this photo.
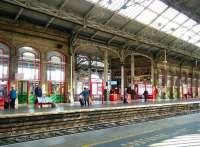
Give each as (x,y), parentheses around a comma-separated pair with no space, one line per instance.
(38,93)
(85,93)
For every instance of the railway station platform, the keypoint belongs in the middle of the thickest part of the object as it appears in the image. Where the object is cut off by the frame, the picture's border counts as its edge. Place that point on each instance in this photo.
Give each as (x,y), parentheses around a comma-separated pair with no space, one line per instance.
(24,125)
(59,107)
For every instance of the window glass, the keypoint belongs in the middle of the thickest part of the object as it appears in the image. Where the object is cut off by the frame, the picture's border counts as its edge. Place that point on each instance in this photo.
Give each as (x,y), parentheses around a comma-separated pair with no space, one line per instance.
(181,18)
(146,17)
(28,55)
(169,21)
(56,59)
(160,22)
(4,61)
(196,28)
(170,13)
(180,31)
(55,67)
(158,6)
(132,11)
(190,23)
(28,64)
(195,39)
(170,27)
(187,36)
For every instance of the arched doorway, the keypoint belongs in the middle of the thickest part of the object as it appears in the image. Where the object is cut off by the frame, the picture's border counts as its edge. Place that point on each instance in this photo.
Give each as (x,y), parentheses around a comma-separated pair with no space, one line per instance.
(143,75)
(4,72)
(137,75)
(56,76)
(89,74)
(28,72)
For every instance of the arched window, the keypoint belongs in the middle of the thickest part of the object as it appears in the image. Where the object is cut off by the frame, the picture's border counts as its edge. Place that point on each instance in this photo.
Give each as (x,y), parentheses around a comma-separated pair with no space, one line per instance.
(4,62)
(55,67)
(28,64)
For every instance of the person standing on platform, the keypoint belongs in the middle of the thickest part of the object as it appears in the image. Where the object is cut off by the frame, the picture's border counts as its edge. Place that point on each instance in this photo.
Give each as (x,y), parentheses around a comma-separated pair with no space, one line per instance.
(13,96)
(38,93)
(85,93)
(145,95)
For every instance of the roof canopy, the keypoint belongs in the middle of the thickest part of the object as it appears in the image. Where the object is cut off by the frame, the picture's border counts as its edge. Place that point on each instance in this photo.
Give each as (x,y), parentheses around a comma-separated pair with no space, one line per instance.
(146,26)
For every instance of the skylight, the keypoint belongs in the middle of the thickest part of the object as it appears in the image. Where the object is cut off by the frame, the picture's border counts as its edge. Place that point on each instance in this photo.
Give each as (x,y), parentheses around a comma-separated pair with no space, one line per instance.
(158,15)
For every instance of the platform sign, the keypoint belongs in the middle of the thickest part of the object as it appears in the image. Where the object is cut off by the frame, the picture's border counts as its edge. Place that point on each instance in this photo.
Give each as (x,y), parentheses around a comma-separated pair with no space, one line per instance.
(113,82)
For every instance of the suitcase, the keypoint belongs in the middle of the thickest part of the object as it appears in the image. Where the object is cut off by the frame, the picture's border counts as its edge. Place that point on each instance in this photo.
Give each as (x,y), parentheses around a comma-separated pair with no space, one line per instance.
(81,102)
(90,100)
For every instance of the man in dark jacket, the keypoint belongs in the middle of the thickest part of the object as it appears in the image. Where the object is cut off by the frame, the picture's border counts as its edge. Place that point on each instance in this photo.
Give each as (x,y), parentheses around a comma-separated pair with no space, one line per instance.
(145,95)
(38,91)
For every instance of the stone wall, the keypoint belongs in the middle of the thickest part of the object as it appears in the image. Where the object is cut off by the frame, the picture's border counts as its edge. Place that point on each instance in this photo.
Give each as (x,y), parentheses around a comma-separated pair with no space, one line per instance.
(21,34)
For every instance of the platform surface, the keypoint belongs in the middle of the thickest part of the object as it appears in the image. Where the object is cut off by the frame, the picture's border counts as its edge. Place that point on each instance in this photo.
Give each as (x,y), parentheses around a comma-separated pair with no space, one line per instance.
(75,107)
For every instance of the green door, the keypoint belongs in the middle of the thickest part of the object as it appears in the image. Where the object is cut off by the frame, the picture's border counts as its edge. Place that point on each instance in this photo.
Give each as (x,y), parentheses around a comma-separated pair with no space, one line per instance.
(22,92)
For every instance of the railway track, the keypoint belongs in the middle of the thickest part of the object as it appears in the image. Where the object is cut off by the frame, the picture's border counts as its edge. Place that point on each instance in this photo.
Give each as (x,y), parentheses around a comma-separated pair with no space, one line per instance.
(23,128)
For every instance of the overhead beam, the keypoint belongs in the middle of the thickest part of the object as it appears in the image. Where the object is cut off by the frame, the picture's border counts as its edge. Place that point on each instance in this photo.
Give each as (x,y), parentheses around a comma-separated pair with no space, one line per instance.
(19,13)
(122,29)
(86,16)
(197,48)
(105,23)
(59,9)
(110,18)
(98,27)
